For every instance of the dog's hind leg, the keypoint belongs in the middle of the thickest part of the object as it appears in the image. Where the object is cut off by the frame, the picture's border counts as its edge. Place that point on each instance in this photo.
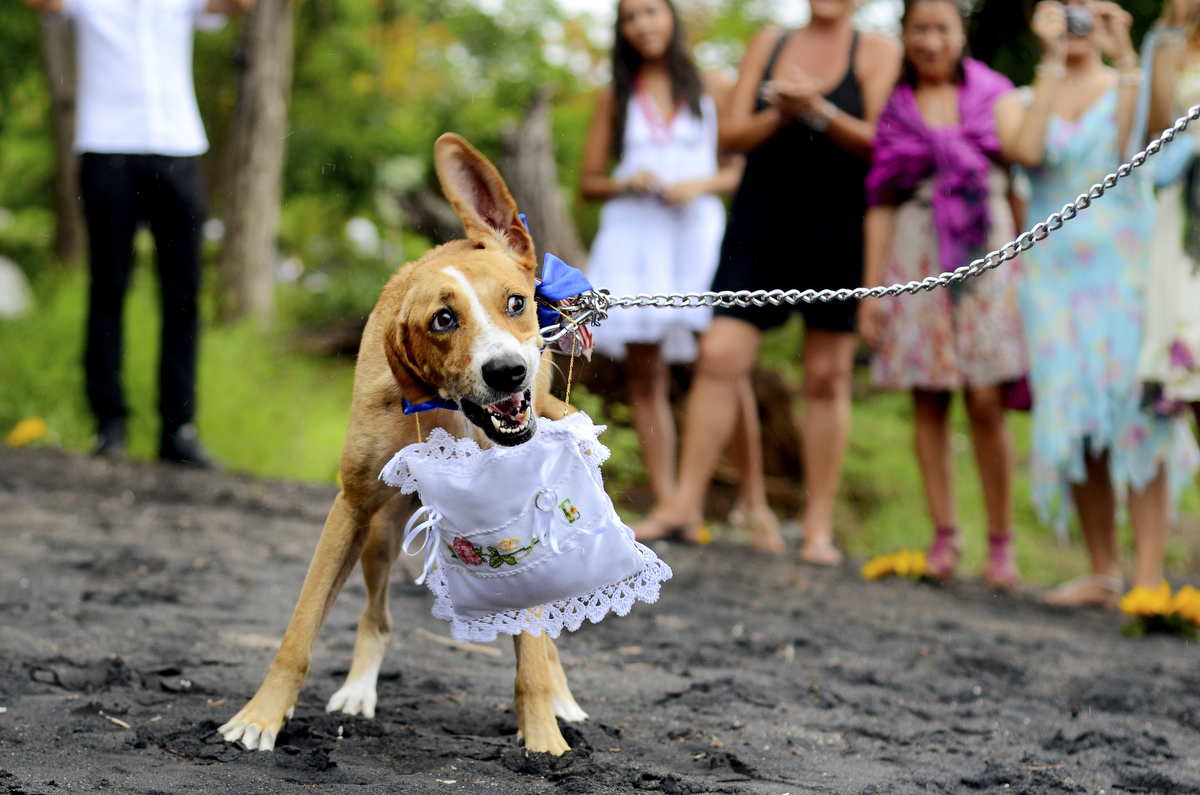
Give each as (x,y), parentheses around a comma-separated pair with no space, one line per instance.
(563,702)
(341,544)
(357,695)
(534,697)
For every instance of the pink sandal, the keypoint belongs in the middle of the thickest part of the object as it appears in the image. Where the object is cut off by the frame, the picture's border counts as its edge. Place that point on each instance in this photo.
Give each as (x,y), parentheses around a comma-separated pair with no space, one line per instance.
(1001,569)
(943,554)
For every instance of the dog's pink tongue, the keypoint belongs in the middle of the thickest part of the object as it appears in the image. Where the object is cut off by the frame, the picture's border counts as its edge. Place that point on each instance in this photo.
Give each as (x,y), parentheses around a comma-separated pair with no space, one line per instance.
(508,406)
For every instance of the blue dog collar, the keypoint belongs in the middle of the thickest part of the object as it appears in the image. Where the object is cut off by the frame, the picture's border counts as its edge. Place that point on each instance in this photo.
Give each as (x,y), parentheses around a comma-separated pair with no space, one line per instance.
(428,405)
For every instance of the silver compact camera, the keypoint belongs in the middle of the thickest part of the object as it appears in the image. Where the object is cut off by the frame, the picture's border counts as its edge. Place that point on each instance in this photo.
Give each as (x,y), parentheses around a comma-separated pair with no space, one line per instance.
(1080,21)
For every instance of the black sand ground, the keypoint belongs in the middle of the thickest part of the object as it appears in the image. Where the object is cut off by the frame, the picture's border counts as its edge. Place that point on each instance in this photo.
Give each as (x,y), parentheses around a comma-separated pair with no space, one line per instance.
(138,606)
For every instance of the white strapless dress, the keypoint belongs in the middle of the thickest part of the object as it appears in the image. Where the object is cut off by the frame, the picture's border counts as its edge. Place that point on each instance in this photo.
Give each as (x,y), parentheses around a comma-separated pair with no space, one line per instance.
(647,246)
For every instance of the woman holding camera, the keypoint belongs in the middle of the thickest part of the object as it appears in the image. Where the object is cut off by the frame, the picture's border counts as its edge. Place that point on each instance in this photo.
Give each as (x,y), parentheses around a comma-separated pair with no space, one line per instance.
(1083,301)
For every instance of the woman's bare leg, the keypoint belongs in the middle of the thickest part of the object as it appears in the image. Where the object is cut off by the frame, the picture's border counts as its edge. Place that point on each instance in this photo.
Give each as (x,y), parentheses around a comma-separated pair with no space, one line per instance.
(995,458)
(727,352)
(993,455)
(648,381)
(931,438)
(1097,506)
(828,360)
(1148,511)
(745,450)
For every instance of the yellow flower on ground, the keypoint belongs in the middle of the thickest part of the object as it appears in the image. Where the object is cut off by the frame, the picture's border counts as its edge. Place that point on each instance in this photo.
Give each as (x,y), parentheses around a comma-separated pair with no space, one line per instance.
(1186,604)
(704,535)
(904,563)
(910,563)
(30,429)
(1142,601)
(879,567)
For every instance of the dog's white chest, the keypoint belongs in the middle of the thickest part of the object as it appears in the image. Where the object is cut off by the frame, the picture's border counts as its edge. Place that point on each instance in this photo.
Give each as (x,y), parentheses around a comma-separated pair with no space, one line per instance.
(523,538)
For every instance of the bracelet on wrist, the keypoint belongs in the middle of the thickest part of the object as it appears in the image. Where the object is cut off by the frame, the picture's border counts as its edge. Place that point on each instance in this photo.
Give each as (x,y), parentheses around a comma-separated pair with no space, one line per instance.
(1058,70)
(1170,34)
(1127,63)
(820,116)
(1131,78)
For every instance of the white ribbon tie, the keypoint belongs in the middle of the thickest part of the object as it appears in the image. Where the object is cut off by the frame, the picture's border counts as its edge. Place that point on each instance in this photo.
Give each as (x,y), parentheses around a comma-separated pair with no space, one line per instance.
(432,537)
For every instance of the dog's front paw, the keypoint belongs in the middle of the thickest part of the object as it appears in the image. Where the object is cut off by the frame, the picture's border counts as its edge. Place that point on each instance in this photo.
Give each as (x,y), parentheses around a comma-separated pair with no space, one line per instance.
(546,739)
(255,726)
(356,697)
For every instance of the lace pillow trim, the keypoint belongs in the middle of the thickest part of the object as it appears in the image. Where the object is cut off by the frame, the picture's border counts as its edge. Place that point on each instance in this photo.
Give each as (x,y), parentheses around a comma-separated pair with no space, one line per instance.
(556,616)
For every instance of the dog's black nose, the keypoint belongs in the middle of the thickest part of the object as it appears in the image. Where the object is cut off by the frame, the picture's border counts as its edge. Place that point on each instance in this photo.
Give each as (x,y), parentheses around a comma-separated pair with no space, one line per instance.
(504,375)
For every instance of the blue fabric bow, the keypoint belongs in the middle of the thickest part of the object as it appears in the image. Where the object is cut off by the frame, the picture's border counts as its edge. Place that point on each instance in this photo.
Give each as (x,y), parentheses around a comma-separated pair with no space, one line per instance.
(559,281)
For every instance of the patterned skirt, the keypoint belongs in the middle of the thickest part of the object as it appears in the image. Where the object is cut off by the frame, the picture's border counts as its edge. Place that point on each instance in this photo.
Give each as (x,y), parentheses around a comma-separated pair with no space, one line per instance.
(966,336)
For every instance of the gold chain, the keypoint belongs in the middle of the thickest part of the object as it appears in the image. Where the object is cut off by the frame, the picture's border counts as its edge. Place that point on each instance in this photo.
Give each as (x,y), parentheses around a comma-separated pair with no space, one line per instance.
(570,374)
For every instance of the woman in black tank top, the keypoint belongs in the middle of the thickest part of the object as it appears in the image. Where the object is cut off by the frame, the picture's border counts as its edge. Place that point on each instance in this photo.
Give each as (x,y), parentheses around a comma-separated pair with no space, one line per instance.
(803,111)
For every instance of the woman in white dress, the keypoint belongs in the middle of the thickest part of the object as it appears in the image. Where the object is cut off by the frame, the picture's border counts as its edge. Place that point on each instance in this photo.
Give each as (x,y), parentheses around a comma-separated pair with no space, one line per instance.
(1170,362)
(661,226)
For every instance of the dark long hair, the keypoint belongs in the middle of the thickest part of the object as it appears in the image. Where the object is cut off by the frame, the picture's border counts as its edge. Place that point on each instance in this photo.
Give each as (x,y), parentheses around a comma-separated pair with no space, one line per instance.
(626,60)
(909,75)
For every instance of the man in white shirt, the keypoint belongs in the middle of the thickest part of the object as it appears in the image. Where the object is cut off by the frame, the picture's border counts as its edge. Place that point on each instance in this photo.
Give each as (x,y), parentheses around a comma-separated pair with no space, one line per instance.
(139,134)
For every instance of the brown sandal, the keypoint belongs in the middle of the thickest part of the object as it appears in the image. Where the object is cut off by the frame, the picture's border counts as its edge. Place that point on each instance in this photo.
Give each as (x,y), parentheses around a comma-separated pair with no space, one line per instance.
(651,529)
(822,554)
(1087,590)
(763,527)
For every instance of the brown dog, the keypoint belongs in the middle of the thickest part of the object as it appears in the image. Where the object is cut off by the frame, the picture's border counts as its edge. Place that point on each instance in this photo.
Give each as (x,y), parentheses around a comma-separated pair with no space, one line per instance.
(458,324)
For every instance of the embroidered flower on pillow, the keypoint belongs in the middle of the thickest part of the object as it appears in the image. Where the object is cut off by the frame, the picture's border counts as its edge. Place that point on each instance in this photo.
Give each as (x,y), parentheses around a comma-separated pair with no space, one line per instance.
(466,552)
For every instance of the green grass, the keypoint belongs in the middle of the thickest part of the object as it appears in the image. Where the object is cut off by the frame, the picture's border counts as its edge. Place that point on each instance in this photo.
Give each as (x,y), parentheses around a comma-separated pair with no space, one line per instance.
(261,408)
(268,410)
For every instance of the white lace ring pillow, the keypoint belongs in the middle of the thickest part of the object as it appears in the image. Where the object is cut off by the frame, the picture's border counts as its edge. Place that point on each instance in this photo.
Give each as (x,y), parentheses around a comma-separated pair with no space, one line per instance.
(522,539)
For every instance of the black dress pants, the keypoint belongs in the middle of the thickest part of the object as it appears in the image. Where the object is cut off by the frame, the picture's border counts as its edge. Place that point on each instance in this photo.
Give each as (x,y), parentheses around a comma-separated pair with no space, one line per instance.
(118,192)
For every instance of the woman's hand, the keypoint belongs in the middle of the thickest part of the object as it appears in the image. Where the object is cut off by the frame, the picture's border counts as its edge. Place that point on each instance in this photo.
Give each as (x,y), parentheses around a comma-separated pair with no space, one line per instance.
(645,182)
(793,95)
(1049,24)
(684,192)
(870,320)
(1112,32)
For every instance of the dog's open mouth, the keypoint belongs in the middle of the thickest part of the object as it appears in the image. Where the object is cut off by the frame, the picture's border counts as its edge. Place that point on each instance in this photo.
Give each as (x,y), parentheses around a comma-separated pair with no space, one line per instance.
(508,422)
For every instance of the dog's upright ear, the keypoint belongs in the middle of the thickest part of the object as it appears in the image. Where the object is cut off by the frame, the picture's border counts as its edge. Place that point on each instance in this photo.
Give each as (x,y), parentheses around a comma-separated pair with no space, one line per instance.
(479,195)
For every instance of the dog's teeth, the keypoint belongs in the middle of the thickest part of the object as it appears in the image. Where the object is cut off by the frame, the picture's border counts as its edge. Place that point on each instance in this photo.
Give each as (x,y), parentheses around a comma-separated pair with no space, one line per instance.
(495,421)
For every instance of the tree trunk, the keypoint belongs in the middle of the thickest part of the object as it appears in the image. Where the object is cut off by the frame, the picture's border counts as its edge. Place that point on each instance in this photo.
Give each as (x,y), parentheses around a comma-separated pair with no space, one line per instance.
(529,169)
(256,155)
(58,57)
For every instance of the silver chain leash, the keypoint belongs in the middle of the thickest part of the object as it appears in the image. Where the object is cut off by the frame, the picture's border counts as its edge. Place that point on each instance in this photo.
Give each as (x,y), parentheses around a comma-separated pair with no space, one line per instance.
(591,308)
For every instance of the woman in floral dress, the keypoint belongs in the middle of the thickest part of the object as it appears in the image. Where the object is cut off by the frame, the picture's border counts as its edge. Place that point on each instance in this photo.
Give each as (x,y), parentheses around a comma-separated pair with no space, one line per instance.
(1083,300)
(939,198)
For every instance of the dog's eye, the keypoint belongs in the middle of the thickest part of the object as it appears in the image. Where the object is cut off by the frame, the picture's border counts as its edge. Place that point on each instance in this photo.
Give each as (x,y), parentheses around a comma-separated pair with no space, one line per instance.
(444,320)
(516,305)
